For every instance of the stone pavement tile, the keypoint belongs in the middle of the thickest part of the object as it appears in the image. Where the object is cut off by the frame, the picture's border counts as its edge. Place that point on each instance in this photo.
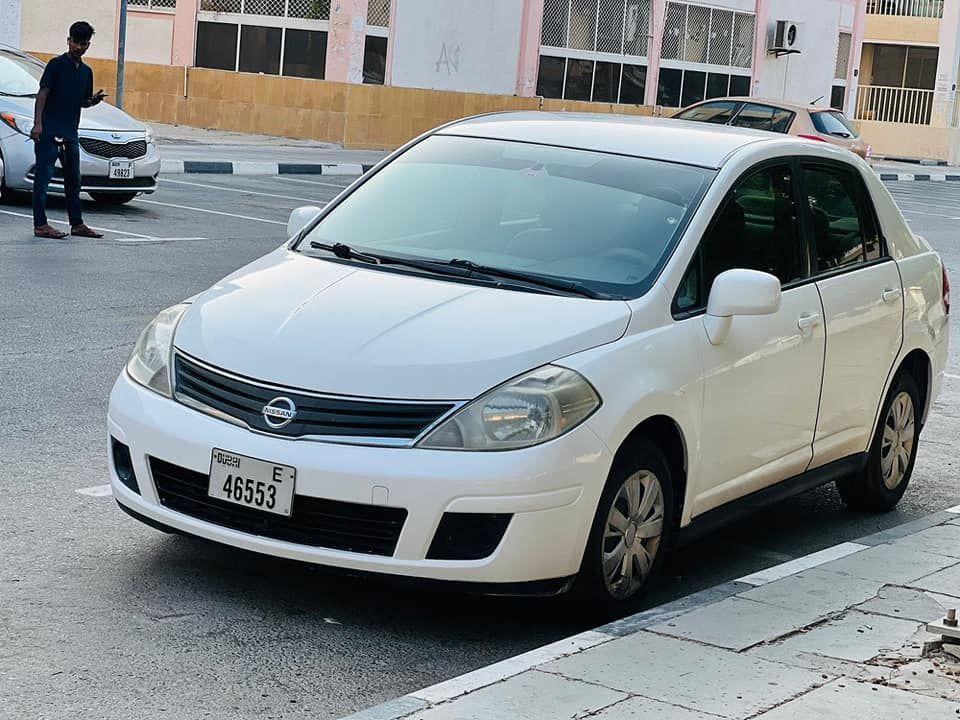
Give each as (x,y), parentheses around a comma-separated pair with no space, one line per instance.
(917,677)
(734,623)
(946,582)
(826,666)
(941,540)
(846,700)
(816,593)
(892,564)
(914,526)
(532,695)
(855,636)
(680,672)
(639,708)
(906,603)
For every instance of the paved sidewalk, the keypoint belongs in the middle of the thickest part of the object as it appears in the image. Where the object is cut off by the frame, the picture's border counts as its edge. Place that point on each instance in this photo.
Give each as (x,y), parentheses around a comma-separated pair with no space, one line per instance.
(837,634)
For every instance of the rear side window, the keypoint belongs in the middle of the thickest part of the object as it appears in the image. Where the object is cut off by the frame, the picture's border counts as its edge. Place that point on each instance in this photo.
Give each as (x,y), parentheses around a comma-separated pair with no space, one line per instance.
(764,117)
(842,220)
(833,123)
(718,113)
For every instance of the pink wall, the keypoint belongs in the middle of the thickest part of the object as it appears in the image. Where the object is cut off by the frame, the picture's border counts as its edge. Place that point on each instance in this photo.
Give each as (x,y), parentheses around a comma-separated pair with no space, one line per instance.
(529,62)
(658,13)
(345,42)
(762,10)
(184,33)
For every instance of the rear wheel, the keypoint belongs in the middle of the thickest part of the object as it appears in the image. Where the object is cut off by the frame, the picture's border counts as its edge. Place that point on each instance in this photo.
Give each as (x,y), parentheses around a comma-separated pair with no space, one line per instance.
(113,198)
(893,452)
(630,534)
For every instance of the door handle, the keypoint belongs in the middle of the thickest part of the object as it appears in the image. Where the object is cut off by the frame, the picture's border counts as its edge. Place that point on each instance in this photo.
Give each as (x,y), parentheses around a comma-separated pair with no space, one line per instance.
(808,321)
(891,295)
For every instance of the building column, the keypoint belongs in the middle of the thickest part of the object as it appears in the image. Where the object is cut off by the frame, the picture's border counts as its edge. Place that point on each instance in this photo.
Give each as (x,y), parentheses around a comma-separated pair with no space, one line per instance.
(10,22)
(760,29)
(658,15)
(856,55)
(528,67)
(346,40)
(184,33)
(945,87)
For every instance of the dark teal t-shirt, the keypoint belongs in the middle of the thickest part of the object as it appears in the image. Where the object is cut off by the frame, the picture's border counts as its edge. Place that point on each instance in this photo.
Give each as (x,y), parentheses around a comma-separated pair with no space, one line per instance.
(71,87)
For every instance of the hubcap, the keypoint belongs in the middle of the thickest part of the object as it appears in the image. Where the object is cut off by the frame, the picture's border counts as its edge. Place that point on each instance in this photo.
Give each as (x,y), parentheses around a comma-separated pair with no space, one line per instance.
(632,533)
(896,449)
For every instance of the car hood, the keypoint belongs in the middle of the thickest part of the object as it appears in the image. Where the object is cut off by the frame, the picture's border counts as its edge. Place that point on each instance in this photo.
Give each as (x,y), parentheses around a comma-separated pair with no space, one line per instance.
(101,117)
(306,323)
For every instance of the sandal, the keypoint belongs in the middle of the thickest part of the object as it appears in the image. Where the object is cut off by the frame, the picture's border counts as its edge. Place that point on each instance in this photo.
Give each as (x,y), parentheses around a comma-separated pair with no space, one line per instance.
(48,232)
(84,231)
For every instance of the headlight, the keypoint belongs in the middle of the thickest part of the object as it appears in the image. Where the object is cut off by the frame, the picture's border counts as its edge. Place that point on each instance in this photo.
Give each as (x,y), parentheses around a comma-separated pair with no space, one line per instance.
(150,139)
(529,410)
(21,123)
(149,363)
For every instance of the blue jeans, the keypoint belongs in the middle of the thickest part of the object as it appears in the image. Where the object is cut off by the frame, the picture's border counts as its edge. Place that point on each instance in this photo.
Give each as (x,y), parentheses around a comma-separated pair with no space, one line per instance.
(47,151)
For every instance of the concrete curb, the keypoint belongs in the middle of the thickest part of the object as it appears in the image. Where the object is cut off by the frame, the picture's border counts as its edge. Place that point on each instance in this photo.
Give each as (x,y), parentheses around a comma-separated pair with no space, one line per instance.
(425,698)
(225,167)
(917,177)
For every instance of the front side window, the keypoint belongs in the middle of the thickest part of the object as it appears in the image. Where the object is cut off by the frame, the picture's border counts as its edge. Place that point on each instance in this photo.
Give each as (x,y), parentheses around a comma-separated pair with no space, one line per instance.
(843,233)
(608,222)
(755,229)
(764,117)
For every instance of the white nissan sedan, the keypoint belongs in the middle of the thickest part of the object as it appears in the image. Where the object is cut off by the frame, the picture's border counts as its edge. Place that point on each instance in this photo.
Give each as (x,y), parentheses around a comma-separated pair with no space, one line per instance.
(530,352)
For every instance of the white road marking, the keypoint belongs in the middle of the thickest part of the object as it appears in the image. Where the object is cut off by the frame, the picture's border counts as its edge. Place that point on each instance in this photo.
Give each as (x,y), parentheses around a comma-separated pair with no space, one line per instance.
(155,239)
(952,377)
(61,222)
(164,181)
(955,510)
(778,572)
(96,491)
(311,182)
(210,212)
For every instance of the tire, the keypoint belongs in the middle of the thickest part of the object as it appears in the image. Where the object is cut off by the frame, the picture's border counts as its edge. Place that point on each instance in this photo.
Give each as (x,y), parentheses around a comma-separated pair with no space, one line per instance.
(893,452)
(113,198)
(608,592)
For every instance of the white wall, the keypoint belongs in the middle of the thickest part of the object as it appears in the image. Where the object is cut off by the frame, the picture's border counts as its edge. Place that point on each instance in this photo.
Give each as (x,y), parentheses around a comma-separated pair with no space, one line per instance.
(46,24)
(149,39)
(808,75)
(465,45)
(10,22)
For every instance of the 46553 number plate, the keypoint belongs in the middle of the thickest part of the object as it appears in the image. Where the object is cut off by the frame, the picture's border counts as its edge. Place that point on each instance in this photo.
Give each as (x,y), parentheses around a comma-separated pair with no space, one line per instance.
(253,483)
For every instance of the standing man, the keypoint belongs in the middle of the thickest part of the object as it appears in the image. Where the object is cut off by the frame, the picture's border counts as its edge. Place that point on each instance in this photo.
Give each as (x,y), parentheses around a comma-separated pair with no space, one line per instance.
(65,88)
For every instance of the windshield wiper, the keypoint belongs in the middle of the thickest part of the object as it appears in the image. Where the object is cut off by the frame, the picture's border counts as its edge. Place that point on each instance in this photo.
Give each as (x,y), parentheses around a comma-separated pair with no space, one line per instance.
(567,286)
(346,252)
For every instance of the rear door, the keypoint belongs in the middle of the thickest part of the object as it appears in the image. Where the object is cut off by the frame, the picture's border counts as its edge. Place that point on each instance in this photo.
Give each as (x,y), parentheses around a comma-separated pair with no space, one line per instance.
(862,298)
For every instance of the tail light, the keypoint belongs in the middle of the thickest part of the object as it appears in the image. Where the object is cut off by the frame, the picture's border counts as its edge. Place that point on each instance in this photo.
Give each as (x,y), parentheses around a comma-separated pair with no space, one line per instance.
(946,291)
(812,137)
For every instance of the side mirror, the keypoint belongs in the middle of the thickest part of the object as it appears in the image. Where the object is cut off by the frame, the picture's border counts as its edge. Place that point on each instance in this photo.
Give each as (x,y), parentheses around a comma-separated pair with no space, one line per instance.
(300,218)
(739,292)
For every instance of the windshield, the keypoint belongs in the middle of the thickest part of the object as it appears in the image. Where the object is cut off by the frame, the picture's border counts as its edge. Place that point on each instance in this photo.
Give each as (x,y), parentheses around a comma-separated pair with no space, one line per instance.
(19,75)
(833,123)
(605,221)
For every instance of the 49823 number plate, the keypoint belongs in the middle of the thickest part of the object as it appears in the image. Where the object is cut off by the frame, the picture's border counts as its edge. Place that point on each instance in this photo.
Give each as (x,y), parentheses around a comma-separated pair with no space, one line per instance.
(250,482)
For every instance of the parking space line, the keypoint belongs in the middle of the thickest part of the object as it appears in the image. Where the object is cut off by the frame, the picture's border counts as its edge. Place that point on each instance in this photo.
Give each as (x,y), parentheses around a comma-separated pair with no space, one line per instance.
(96,491)
(311,182)
(101,229)
(210,212)
(164,181)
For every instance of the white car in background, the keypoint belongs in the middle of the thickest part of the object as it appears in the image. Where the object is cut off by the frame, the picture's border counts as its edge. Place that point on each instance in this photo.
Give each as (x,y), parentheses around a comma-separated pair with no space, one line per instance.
(118,156)
(528,352)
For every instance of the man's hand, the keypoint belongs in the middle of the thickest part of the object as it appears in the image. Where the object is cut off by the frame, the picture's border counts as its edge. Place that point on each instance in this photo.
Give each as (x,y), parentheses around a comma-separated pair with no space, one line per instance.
(36,132)
(98,98)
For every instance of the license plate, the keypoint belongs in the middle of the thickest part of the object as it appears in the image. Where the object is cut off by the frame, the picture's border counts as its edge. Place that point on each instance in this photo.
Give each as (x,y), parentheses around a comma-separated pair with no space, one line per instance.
(121,170)
(252,483)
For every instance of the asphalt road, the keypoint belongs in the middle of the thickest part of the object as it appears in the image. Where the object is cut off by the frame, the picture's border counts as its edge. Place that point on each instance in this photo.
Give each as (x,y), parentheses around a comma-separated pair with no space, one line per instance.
(101,617)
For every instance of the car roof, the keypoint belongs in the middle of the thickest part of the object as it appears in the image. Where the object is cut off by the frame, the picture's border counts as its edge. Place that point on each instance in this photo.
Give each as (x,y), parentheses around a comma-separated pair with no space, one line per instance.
(689,143)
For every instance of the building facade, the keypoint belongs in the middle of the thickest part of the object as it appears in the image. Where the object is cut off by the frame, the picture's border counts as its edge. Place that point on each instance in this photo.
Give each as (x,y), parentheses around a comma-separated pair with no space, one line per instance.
(639,52)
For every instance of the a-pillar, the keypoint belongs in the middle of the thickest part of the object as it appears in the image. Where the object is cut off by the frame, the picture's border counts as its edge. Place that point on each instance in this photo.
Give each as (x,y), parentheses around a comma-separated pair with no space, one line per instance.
(945,87)
(529,64)
(184,43)
(658,15)
(346,40)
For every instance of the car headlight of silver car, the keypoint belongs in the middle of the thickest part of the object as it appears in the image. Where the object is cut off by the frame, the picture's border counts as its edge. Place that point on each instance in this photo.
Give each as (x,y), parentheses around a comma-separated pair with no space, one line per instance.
(149,363)
(529,410)
(21,123)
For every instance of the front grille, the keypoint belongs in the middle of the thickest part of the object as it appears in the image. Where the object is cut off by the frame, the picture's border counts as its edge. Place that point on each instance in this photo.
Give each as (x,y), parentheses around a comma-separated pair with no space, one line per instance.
(325,416)
(316,522)
(104,149)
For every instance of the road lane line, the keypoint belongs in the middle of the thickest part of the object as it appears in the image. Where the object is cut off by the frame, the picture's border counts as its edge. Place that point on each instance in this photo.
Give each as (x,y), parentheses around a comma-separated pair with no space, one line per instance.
(164,181)
(61,222)
(210,212)
(155,239)
(96,491)
(311,182)
(952,377)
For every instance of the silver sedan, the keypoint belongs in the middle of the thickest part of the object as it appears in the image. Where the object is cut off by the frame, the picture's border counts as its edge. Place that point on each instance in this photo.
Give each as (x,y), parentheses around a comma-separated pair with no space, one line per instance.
(118,156)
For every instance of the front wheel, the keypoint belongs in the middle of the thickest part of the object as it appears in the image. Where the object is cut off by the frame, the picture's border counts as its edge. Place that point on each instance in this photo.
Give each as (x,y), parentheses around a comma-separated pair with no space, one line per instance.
(630,534)
(113,198)
(893,452)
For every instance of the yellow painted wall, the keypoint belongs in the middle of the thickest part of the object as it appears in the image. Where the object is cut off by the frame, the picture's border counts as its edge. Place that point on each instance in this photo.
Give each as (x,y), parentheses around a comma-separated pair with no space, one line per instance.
(912,141)
(902,30)
(354,116)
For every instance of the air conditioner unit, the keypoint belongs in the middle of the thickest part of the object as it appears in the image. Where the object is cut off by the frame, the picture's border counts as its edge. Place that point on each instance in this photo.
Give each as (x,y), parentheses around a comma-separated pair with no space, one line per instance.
(786,38)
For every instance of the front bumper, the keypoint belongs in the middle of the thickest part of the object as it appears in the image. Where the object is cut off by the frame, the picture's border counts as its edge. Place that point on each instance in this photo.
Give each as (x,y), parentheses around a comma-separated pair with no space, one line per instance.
(19,161)
(550,490)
